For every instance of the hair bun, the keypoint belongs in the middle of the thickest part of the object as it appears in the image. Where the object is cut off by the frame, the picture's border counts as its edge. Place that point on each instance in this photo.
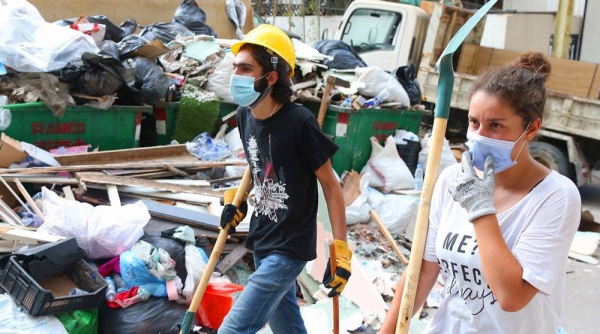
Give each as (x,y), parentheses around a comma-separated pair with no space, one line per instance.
(536,63)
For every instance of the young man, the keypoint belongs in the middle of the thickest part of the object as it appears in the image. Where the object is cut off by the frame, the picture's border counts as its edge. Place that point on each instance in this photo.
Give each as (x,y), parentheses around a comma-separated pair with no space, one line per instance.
(287,154)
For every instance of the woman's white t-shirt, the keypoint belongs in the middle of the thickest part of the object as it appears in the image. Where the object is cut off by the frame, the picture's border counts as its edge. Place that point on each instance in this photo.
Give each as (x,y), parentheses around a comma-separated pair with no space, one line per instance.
(538,229)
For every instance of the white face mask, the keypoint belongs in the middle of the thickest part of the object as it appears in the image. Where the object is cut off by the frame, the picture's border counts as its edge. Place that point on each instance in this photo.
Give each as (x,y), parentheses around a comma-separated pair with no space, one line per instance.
(482,147)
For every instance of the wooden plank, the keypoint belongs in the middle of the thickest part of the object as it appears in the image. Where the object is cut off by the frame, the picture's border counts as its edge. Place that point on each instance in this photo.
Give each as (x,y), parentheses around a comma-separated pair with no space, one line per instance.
(388,236)
(30,236)
(7,218)
(232,258)
(184,216)
(113,195)
(126,181)
(146,193)
(68,193)
(29,200)
(14,194)
(10,212)
(142,165)
(567,76)
(122,156)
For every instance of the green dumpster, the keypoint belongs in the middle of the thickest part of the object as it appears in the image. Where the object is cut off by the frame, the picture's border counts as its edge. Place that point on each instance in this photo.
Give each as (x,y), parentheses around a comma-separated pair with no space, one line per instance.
(115,128)
(352,129)
(165,116)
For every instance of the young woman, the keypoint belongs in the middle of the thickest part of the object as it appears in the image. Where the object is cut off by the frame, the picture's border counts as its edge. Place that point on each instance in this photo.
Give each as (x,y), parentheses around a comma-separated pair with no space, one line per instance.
(501,223)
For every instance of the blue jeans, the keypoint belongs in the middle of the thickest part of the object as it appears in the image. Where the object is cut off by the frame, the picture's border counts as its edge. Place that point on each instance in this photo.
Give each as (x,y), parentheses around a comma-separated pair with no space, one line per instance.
(269,296)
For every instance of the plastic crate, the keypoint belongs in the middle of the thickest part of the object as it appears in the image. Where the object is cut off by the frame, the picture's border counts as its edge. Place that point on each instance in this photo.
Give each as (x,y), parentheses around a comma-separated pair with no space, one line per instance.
(37,301)
(115,128)
(352,129)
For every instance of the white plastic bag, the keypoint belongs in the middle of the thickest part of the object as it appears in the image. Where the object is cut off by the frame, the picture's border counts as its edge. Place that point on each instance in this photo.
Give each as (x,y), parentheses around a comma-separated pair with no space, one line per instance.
(447,158)
(101,231)
(374,179)
(396,211)
(377,80)
(30,44)
(390,168)
(218,80)
(358,211)
(13,319)
(194,265)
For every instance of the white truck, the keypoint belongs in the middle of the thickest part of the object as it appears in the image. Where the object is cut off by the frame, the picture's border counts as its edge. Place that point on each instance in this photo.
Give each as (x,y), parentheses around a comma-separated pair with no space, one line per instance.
(390,35)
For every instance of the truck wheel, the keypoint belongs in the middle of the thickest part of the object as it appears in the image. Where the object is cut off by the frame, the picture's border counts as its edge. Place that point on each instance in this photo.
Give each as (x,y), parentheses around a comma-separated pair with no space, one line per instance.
(551,157)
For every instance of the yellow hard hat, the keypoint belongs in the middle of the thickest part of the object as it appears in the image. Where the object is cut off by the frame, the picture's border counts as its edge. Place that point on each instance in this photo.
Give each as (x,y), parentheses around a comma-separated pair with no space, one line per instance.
(271,38)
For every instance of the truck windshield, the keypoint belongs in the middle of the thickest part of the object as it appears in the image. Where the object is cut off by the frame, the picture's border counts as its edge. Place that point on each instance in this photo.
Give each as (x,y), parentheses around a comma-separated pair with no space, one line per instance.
(371,29)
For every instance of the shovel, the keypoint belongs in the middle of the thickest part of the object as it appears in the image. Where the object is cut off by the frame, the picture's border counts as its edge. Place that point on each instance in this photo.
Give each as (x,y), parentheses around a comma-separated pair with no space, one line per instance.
(188,320)
(442,110)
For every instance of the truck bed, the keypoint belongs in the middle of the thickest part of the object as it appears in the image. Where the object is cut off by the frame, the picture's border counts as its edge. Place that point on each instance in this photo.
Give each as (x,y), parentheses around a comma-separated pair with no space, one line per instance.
(565,113)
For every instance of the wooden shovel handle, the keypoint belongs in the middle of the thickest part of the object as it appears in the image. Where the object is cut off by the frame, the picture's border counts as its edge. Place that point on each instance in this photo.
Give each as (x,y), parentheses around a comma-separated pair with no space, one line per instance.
(336,299)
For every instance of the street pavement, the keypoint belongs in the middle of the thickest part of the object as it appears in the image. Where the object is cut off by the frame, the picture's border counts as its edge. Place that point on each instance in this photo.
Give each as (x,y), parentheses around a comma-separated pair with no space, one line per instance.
(581,314)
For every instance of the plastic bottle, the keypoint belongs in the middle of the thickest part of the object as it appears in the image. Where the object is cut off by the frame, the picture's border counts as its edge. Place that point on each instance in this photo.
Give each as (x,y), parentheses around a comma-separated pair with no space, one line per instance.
(378,99)
(419,177)
(111,291)
(347,103)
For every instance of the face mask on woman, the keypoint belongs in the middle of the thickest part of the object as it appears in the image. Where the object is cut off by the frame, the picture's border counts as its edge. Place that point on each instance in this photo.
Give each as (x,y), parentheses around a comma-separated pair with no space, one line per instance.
(242,90)
(482,147)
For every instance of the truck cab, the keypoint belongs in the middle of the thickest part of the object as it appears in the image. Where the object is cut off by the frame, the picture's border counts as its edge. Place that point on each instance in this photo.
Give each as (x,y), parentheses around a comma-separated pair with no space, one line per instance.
(384,33)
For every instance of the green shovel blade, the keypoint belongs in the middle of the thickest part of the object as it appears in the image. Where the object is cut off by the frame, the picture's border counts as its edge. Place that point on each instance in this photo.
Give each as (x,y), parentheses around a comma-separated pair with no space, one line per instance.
(444,64)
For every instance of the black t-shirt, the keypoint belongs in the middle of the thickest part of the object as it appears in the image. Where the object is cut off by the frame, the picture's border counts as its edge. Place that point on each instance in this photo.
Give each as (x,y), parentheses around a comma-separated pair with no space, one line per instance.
(284,151)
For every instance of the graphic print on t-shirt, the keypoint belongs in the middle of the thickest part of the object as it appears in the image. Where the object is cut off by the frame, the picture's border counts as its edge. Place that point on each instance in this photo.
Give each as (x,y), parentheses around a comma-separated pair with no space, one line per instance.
(269,190)
(464,277)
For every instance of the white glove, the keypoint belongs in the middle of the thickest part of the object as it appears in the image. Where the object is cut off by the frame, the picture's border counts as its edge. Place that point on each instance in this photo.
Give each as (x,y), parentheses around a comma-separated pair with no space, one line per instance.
(472,193)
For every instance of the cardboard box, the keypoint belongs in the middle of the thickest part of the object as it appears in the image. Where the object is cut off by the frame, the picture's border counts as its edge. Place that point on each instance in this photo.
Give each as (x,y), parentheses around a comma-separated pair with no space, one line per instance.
(151,50)
(10,151)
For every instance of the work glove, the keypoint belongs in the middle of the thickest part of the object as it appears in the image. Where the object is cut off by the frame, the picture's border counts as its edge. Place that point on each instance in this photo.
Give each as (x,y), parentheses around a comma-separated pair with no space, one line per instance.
(233,215)
(337,283)
(472,193)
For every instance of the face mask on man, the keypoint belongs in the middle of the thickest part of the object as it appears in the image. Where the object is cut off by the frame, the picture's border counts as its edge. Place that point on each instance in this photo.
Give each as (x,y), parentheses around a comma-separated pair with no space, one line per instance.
(482,147)
(242,90)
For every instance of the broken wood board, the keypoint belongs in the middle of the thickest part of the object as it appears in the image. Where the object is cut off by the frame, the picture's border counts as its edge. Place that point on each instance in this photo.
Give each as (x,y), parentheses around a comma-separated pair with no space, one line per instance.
(359,289)
(204,200)
(41,179)
(30,236)
(124,156)
(29,200)
(239,252)
(113,195)
(187,163)
(127,181)
(68,193)
(183,216)
(158,225)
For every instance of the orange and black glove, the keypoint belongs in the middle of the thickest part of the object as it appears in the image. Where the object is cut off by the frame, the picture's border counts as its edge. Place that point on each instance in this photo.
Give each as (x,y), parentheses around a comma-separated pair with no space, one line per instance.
(233,215)
(338,282)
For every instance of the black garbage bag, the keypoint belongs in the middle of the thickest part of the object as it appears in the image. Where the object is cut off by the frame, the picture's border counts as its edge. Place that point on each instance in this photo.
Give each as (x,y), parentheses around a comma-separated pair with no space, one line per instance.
(406,75)
(113,32)
(150,86)
(129,27)
(343,55)
(175,249)
(165,31)
(155,315)
(131,43)
(193,17)
(97,74)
